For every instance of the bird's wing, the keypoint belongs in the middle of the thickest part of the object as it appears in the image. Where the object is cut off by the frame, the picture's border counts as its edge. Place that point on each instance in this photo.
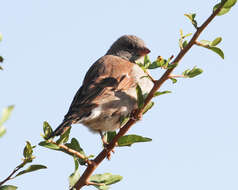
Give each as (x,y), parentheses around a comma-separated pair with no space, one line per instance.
(106,76)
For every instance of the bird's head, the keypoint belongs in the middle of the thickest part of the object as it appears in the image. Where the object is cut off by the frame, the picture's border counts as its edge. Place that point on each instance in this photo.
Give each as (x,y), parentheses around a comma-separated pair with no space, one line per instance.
(129,47)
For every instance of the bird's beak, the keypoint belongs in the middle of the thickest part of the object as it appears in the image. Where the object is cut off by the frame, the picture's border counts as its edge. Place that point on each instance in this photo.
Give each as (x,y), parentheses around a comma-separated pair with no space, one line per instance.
(144,51)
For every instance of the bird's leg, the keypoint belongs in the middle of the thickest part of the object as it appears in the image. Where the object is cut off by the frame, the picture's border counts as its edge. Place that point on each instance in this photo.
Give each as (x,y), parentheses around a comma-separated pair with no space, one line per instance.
(105,145)
(135,116)
(104,142)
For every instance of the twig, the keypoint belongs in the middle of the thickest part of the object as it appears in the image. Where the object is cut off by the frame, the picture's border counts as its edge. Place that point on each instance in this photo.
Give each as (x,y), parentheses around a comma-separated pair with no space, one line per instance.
(176,76)
(10,176)
(84,179)
(71,151)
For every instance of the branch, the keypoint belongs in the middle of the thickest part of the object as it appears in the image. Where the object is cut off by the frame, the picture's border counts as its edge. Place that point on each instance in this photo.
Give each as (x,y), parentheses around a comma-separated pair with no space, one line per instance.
(85,178)
(71,151)
(10,176)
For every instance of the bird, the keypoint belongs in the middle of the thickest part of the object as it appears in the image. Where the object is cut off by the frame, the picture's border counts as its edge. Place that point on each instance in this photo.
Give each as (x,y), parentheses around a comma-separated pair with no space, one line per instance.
(108,92)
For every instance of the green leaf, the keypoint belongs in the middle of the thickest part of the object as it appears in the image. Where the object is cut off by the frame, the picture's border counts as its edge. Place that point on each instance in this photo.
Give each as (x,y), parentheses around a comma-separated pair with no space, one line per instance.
(211,45)
(74,144)
(161,93)
(47,130)
(191,17)
(1,68)
(173,80)
(218,51)
(124,119)
(205,42)
(74,177)
(147,61)
(0,37)
(27,152)
(2,130)
(128,140)
(155,65)
(64,137)
(8,187)
(229,3)
(1,60)
(31,168)
(172,65)
(110,135)
(106,178)
(192,73)
(140,99)
(226,8)
(6,114)
(49,145)
(148,107)
(216,41)
(185,43)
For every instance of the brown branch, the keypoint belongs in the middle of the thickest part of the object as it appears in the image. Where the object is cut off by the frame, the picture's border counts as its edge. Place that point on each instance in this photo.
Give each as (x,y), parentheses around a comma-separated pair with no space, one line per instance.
(85,178)
(176,76)
(71,151)
(10,176)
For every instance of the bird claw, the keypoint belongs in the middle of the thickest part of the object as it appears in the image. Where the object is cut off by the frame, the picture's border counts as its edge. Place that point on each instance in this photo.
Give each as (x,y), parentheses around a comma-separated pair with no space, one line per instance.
(135,116)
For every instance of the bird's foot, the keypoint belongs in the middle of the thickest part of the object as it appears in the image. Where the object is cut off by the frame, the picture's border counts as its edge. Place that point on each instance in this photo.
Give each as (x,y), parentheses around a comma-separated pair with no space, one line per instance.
(135,116)
(105,145)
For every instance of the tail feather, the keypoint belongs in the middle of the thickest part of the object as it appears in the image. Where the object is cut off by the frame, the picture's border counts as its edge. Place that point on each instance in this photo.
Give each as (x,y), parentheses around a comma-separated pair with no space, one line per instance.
(61,129)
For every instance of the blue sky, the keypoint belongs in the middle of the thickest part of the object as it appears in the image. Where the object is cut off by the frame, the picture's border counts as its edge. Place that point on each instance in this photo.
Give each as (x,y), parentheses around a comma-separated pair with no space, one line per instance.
(49,45)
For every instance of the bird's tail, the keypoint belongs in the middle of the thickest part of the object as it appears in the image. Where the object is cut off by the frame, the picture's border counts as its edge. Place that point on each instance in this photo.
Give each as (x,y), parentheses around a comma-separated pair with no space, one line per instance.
(61,129)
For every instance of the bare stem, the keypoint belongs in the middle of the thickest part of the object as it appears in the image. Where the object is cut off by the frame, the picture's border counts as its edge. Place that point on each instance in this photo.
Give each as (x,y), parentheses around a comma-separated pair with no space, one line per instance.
(176,76)
(84,179)
(10,176)
(71,151)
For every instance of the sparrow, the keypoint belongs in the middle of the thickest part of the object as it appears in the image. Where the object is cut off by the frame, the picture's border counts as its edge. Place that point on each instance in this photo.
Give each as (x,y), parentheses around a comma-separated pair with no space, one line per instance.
(108,92)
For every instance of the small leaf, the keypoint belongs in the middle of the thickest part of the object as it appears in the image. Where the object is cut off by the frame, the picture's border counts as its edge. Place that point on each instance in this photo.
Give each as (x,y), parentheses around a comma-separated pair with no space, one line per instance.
(1,60)
(192,73)
(155,65)
(2,130)
(0,37)
(6,114)
(47,130)
(226,8)
(229,3)
(148,107)
(128,140)
(106,178)
(123,120)
(172,65)
(110,135)
(185,43)
(147,61)
(31,168)
(191,17)
(74,144)
(64,137)
(216,41)
(205,42)
(218,51)
(74,177)
(161,93)
(210,45)
(27,152)
(49,145)
(8,187)
(173,80)
(140,99)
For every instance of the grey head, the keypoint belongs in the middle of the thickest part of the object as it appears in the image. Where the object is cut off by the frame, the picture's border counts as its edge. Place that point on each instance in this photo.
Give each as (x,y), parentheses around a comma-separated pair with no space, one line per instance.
(129,47)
